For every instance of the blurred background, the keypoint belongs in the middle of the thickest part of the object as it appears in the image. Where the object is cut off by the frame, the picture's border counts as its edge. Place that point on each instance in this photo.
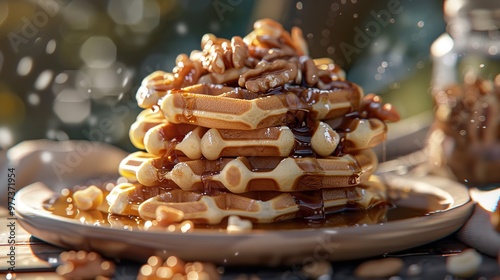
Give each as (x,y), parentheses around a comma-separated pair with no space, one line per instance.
(70,69)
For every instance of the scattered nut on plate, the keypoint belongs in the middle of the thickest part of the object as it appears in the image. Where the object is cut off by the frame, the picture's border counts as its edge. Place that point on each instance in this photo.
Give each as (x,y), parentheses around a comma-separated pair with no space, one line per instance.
(88,198)
(236,224)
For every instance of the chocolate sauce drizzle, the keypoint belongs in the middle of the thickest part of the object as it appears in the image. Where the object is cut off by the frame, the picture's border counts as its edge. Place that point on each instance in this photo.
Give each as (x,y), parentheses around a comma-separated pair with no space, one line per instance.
(311,205)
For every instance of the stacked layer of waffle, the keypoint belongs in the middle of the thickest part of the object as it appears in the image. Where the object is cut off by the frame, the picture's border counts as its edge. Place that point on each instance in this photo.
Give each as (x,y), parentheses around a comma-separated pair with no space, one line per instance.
(252,127)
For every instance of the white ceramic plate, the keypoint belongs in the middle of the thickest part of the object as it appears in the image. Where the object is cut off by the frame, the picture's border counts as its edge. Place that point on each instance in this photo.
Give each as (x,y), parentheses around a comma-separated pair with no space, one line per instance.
(269,247)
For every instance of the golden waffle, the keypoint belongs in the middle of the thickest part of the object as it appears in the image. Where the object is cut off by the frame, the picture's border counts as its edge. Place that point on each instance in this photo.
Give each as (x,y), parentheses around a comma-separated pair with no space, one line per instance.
(145,121)
(243,174)
(163,138)
(238,112)
(280,141)
(261,207)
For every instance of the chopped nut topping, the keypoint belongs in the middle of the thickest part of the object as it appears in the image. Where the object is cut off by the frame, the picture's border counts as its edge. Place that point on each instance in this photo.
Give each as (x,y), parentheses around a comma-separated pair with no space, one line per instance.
(268,75)
(264,59)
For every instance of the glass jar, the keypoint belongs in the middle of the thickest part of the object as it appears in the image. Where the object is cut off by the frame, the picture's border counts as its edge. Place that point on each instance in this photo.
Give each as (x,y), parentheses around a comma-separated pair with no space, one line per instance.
(464,140)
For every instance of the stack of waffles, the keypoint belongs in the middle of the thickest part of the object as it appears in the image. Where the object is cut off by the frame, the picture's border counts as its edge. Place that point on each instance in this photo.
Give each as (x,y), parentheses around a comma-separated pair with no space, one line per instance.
(252,127)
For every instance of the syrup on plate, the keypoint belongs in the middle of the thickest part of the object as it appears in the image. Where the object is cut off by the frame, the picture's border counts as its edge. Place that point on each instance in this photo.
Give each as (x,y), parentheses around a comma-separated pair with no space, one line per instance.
(401,207)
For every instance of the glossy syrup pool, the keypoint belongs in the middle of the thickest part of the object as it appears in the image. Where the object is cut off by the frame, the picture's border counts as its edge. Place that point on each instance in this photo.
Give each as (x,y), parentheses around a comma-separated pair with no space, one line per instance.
(405,204)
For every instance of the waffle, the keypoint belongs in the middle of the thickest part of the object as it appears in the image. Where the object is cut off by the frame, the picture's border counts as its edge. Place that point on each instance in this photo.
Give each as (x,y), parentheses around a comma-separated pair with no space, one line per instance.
(240,111)
(243,174)
(260,207)
(196,142)
(252,127)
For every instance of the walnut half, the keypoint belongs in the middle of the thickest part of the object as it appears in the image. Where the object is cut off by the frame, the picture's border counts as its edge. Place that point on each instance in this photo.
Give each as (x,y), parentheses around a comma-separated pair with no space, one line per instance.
(268,75)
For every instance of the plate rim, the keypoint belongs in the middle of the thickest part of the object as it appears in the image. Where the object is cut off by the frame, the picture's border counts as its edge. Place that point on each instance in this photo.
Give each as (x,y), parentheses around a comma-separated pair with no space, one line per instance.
(462,194)
(27,213)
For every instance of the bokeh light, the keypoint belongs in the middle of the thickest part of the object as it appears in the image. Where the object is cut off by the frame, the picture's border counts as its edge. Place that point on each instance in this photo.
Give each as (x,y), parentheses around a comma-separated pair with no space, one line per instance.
(46,157)
(72,106)
(6,137)
(24,66)
(126,11)
(150,18)
(51,46)
(33,99)
(73,79)
(181,28)
(98,52)
(44,79)
(78,15)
